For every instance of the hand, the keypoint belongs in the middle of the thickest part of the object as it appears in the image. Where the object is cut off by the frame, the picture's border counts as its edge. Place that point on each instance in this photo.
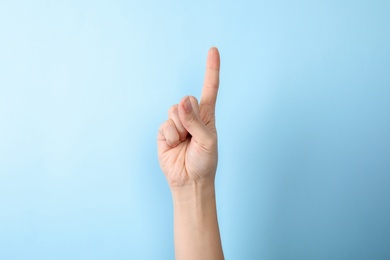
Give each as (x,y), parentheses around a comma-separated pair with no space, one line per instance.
(187,141)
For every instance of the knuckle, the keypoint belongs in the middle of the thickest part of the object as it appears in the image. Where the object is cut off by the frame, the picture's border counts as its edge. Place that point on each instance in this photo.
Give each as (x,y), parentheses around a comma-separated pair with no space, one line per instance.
(211,140)
(193,99)
(190,119)
(172,110)
(210,84)
(160,129)
(165,127)
(172,140)
(160,133)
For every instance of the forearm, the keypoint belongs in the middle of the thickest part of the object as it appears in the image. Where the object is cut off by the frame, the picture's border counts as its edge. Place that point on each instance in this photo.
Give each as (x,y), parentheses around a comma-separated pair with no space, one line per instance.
(195,223)
(188,156)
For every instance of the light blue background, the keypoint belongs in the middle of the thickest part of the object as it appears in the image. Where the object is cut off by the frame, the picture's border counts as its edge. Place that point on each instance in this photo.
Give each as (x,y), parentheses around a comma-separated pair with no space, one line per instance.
(303,120)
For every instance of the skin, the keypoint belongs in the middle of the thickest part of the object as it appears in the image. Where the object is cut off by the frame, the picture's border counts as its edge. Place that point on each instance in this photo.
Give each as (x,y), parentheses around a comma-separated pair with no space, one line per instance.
(188,156)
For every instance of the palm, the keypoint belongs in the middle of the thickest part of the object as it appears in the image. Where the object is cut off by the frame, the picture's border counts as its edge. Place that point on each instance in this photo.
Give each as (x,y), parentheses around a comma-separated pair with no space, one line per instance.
(189,161)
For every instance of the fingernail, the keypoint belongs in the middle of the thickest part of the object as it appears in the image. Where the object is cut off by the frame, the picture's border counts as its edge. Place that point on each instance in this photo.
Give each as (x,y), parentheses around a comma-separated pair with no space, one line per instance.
(187,104)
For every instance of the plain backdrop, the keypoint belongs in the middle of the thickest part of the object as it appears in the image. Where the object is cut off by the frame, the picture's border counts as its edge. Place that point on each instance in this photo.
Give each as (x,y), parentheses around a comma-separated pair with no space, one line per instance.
(303,116)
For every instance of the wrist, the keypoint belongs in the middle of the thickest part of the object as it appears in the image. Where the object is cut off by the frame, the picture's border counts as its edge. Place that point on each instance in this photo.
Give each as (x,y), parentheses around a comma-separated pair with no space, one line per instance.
(195,193)
(195,220)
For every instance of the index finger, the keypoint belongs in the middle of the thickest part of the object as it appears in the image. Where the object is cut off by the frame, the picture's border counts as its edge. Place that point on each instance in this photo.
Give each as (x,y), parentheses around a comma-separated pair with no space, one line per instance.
(211,79)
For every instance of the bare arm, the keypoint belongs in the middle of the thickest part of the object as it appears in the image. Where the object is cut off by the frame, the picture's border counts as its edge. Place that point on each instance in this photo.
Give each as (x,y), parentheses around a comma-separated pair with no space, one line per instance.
(188,155)
(196,225)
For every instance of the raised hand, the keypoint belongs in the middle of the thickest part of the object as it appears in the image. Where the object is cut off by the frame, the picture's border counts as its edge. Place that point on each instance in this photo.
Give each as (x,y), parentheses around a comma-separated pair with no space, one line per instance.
(188,155)
(187,140)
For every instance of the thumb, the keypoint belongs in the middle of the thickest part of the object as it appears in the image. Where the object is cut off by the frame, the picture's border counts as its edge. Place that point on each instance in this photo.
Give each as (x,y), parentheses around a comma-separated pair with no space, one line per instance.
(192,123)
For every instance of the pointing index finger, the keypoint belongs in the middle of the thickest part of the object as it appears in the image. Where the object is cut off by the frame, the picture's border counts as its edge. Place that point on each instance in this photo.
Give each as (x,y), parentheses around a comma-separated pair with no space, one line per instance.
(211,79)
